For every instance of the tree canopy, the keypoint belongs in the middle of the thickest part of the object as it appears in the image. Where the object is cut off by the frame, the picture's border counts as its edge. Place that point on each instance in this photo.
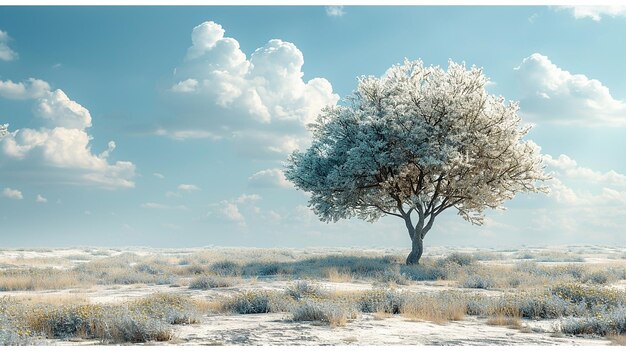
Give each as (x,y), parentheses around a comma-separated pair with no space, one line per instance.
(413,143)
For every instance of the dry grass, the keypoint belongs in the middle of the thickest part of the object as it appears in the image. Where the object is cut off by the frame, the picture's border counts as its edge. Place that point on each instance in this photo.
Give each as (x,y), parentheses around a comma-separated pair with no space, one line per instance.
(48,279)
(336,276)
(511,318)
(439,308)
(617,339)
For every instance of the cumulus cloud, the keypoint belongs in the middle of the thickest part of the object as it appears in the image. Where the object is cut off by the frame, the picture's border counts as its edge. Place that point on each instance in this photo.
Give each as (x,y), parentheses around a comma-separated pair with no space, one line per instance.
(40,199)
(6,54)
(158,175)
(555,95)
(30,89)
(335,11)
(611,185)
(596,12)
(247,198)
(62,142)
(568,167)
(270,178)
(585,200)
(218,92)
(231,212)
(12,194)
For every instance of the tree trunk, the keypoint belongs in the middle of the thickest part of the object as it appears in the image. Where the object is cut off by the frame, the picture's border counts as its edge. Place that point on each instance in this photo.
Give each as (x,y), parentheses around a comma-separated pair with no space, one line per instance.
(417,248)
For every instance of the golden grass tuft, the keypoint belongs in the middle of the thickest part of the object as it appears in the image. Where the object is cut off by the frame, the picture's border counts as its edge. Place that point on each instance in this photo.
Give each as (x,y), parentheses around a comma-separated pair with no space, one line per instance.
(434,308)
(38,280)
(335,276)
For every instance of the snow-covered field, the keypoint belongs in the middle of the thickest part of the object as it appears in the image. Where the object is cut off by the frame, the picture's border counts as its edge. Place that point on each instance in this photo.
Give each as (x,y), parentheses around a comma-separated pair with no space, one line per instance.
(107,277)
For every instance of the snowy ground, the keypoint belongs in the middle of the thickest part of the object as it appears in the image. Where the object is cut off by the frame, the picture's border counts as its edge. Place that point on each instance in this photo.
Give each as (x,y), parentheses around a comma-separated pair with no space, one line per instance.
(278,329)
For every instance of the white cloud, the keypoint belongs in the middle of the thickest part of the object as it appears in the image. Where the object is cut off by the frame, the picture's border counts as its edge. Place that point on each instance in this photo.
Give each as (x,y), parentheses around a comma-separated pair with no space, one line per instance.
(188,187)
(555,95)
(159,206)
(596,12)
(270,178)
(248,198)
(335,11)
(6,54)
(40,199)
(218,92)
(158,175)
(30,89)
(185,86)
(12,194)
(570,168)
(60,111)
(61,143)
(591,193)
(231,212)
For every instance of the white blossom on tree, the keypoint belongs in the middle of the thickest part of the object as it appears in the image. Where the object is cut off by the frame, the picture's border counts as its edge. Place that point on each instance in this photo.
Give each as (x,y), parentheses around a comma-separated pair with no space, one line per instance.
(413,143)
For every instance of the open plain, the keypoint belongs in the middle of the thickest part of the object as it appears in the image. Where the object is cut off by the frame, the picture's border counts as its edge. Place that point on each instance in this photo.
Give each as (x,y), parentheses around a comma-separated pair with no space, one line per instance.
(320,296)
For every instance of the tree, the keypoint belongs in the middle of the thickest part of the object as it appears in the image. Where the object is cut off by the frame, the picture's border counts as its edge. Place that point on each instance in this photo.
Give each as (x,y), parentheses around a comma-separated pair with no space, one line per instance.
(413,143)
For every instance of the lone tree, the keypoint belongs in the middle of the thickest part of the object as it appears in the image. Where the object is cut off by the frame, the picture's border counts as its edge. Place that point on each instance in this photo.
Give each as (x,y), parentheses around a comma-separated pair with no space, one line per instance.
(414,143)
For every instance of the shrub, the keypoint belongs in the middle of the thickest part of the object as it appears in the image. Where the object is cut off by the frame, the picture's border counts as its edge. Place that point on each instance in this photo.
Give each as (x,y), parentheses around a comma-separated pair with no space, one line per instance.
(226,268)
(170,308)
(142,320)
(476,281)
(304,289)
(423,272)
(387,301)
(597,277)
(610,322)
(250,302)
(209,282)
(263,268)
(393,274)
(590,295)
(11,334)
(328,312)
(122,325)
(460,259)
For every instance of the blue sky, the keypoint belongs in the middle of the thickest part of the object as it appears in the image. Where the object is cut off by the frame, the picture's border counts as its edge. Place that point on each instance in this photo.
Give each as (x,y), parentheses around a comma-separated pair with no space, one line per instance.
(203,104)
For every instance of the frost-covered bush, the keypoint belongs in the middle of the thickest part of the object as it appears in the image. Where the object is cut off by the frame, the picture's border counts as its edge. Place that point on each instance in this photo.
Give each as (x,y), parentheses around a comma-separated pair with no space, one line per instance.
(226,268)
(597,277)
(462,259)
(170,308)
(210,282)
(423,272)
(304,289)
(250,302)
(592,296)
(611,322)
(328,312)
(387,301)
(264,268)
(116,323)
(11,334)
(476,281)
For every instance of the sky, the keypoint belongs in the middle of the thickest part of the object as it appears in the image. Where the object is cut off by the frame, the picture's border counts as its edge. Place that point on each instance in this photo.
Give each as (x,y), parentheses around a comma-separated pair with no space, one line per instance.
(169,126)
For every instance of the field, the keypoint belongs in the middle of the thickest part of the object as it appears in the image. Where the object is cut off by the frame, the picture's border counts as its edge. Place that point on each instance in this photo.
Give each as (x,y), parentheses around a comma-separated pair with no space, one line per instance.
(571,295)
